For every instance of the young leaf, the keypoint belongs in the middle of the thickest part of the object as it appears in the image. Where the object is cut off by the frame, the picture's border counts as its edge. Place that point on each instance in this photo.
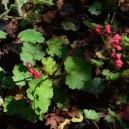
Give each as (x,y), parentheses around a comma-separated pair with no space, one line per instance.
(31,53)
(32,36)
(20,75)
(54,47)
(78,71)
(91,114)
(122,99)
(40,91)
(70,24)
(49,65)
(95,8)
(110,75)
(2,34)
(97,62)
(109,118)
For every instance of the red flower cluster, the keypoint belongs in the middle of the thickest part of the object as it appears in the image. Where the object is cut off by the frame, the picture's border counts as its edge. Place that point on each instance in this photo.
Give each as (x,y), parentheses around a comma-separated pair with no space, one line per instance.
(114,42)
(34,73)
(119,63)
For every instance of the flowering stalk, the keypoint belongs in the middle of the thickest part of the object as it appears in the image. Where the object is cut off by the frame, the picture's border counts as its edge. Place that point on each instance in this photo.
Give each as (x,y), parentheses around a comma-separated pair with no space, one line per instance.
(114,43)
(34,73)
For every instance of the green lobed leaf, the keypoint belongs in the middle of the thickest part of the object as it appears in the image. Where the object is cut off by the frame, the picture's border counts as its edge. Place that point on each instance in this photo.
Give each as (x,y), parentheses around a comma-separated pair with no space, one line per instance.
(91,114)
(32,36)
(2,34)
(54,47)
(95,8)
(40,91)
(113,114)
(70,24)
(49,65)
(109,119)
(20,75)
(97,62)
(31,53)
(78,71)
(94,86)
(125,39)
(8,83)
(122,99)
(110,75)
(29,114)
(13,107)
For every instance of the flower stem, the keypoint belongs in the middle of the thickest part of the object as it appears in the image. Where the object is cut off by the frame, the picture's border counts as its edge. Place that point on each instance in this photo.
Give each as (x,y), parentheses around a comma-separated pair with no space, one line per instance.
(71,51)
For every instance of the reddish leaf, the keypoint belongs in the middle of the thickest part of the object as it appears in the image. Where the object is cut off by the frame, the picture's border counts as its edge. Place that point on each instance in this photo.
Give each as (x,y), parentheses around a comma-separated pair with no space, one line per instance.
(49,16)
(59,4)
(54,121)
(11,28)
(125,114)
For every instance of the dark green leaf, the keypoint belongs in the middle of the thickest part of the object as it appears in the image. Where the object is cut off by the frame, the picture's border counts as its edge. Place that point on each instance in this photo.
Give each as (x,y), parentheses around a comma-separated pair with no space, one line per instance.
(94,86)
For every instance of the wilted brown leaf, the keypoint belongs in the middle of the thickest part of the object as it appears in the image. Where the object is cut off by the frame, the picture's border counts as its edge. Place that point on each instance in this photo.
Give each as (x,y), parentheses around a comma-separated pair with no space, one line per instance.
(11,28)
(49,16)
(73,112)
(59,4)
(125,7)
(54,121)
(62,125)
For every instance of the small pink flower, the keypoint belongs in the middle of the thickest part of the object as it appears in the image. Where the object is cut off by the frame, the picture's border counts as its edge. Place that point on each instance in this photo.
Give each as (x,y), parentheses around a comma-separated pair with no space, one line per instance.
(113,54)
(97,29)
(108,29)
(31,70)
(118,56)
(36,74)
(119,63)
(118,48)
(117,36)
(115,41)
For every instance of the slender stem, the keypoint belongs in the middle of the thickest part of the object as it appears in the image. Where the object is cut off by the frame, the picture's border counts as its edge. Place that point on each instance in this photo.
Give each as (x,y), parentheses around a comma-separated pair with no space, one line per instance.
(114,13)
(106,45)
(114,125)
(96,125)
(71,51)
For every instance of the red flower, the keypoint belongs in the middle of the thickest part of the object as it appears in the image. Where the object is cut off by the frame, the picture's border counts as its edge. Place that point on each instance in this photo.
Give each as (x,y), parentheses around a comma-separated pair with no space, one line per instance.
(119,63)
(97,29)
(118,48)
(108,29)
